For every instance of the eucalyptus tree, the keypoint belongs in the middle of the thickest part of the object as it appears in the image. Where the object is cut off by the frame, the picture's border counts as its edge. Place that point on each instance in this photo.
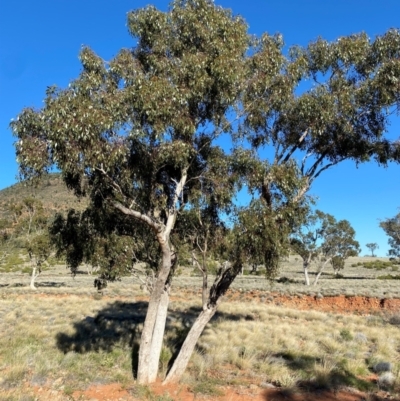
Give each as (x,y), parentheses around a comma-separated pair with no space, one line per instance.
(391,226)
(306,239)
(338,244)
(30,222)
(141,129)
(372,246)
(138,133)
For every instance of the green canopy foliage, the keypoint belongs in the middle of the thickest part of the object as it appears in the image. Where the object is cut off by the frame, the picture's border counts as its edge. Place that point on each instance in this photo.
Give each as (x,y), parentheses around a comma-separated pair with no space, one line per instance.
(391,226)
(339,239)
(138,136)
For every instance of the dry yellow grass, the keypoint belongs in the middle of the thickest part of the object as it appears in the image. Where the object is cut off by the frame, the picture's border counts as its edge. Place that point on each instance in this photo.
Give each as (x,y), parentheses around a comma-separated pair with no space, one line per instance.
(76,341)
(65,334)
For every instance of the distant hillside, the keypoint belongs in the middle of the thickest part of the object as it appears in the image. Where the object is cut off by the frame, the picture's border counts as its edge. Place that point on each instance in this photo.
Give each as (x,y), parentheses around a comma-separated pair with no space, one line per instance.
(51,192)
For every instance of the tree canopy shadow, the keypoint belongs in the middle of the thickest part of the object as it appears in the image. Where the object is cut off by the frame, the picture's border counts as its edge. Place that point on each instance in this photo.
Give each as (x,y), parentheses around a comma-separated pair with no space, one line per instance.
(317,394)
(324,386)
(50,284)
(116,323)
(120,324)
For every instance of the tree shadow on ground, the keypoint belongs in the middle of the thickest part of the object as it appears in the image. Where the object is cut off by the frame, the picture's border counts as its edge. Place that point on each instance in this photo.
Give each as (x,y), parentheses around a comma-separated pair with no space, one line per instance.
(50,284)
(319,395)
(323,386)
(120,324)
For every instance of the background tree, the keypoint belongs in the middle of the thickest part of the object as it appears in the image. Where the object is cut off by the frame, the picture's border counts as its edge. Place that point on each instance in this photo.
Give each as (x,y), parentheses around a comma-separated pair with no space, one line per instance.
(306,237)
(338,244)
(372,246)
(391,226)
(4,238)
(137,134)
(29,222)
(104,239)
(39,250)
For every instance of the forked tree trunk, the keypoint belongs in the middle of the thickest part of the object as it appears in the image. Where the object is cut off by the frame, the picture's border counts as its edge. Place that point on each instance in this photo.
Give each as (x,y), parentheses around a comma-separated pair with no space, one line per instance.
(34,276)
(154,323)
(158,336)
(320,271)
(151,326)
(222,282)
(186,351)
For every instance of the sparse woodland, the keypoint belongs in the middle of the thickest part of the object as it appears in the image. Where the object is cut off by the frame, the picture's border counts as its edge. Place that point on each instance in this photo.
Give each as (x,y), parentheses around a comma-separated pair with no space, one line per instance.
(139,139)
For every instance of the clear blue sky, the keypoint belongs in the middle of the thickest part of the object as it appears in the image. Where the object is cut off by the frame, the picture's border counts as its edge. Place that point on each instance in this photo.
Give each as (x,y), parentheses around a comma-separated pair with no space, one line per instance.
(40,42)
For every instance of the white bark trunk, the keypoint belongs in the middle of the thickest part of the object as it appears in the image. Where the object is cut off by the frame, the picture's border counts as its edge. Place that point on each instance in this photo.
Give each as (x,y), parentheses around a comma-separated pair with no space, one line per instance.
(307,279)
(320,271)
(146,340)
(154,325)
(306,264)
(33,278)
(158,336)
(182,360)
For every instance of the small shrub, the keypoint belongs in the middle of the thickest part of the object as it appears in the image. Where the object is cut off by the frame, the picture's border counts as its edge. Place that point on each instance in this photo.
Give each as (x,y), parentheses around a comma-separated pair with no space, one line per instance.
(165,357)
(207,386)
(285,280)
(212,267)
(381,367)
(68,390)
(388,277)
(346,335)
(386,380)
(395,320)
(377,265)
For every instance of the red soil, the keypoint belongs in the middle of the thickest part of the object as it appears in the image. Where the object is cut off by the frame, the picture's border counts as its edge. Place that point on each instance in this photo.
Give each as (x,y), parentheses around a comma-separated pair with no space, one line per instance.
(338,303)
(178,392)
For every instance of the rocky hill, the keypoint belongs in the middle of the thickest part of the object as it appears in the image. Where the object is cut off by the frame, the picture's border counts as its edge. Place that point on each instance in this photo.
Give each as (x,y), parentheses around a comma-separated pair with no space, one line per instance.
(51,191)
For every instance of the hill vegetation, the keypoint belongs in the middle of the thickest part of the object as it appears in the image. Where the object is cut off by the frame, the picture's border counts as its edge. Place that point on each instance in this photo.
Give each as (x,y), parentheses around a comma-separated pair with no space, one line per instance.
(50,191)
(25,213)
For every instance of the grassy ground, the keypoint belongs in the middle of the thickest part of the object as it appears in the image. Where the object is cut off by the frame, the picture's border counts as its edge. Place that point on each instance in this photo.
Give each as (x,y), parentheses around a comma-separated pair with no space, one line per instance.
(66,336)
(355,279)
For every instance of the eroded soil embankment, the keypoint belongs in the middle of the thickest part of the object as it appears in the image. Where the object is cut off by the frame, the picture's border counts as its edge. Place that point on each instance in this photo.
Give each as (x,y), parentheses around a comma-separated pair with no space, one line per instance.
(338,303)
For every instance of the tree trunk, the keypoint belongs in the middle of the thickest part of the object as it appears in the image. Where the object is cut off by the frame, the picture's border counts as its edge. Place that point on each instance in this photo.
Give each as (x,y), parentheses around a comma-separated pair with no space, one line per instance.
(320,271)
(182,360)
(222,282)
(306,265)
(158,336)
(306,278)
(154,308)
(33,278)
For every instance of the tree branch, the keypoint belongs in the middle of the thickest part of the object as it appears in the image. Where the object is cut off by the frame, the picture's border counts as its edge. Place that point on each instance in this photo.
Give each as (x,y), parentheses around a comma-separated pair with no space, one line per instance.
(138,216)
(178,190)
(295,147)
